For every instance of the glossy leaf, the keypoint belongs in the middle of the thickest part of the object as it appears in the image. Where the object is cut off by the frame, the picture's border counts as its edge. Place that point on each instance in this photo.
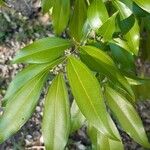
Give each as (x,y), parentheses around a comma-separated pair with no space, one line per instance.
(133,38)
(108,28)
(61,13)
(46,5)
(124,11)
(135,80)
(127,18)
(20,108)
(122,55)
(123,92)
(101,142)
(126,24)
(97,14)
(144,4)
(128,3)
(140,87)
(127,116)
(121,43)
(100,62)
(77,118)
(25,76)
(88,99)
(78,20)
(56,118)
(104,143)
(142,91)
(138,11)
(42,51)
(92,133)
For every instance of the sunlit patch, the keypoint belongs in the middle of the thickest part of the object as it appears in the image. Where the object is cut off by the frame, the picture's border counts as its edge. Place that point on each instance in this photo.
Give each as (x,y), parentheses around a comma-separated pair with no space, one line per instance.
(96,22)
(136,37)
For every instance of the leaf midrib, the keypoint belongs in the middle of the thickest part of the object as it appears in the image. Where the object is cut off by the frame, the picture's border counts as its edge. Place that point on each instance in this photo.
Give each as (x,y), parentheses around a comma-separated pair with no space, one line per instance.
(65,101)
(55,113)
(124,114)
(39,51)
(23,104)
(86,92)
(35,76)
(89,52)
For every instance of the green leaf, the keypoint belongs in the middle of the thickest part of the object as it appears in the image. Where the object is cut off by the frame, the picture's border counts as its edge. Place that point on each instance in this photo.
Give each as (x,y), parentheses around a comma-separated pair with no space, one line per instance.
(126,24)
(127,116)
(145,42)
(78,20)
(27,74)
(56,117)
(88,99)
(122,55)
(140,87)
(42,51)
(142,91)
(121,43)
(133,38)
(46,5)
(127,18)
(123,92)
(20,108)
(135,80)
(2,3)
(77,118)
(144,4)
(100,62)
(92,133)
(124,11)
(128,3)
(97,14)
(108,28)
(102,142)
(61,14)
(138,11)
(146,22)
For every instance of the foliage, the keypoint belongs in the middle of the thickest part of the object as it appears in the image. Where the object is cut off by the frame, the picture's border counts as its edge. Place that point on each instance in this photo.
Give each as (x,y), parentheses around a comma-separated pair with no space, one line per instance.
(2,3)
(103,40)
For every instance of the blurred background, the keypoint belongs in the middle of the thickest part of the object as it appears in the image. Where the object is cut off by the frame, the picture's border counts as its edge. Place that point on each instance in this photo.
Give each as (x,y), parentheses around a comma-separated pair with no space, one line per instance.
(23,23)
